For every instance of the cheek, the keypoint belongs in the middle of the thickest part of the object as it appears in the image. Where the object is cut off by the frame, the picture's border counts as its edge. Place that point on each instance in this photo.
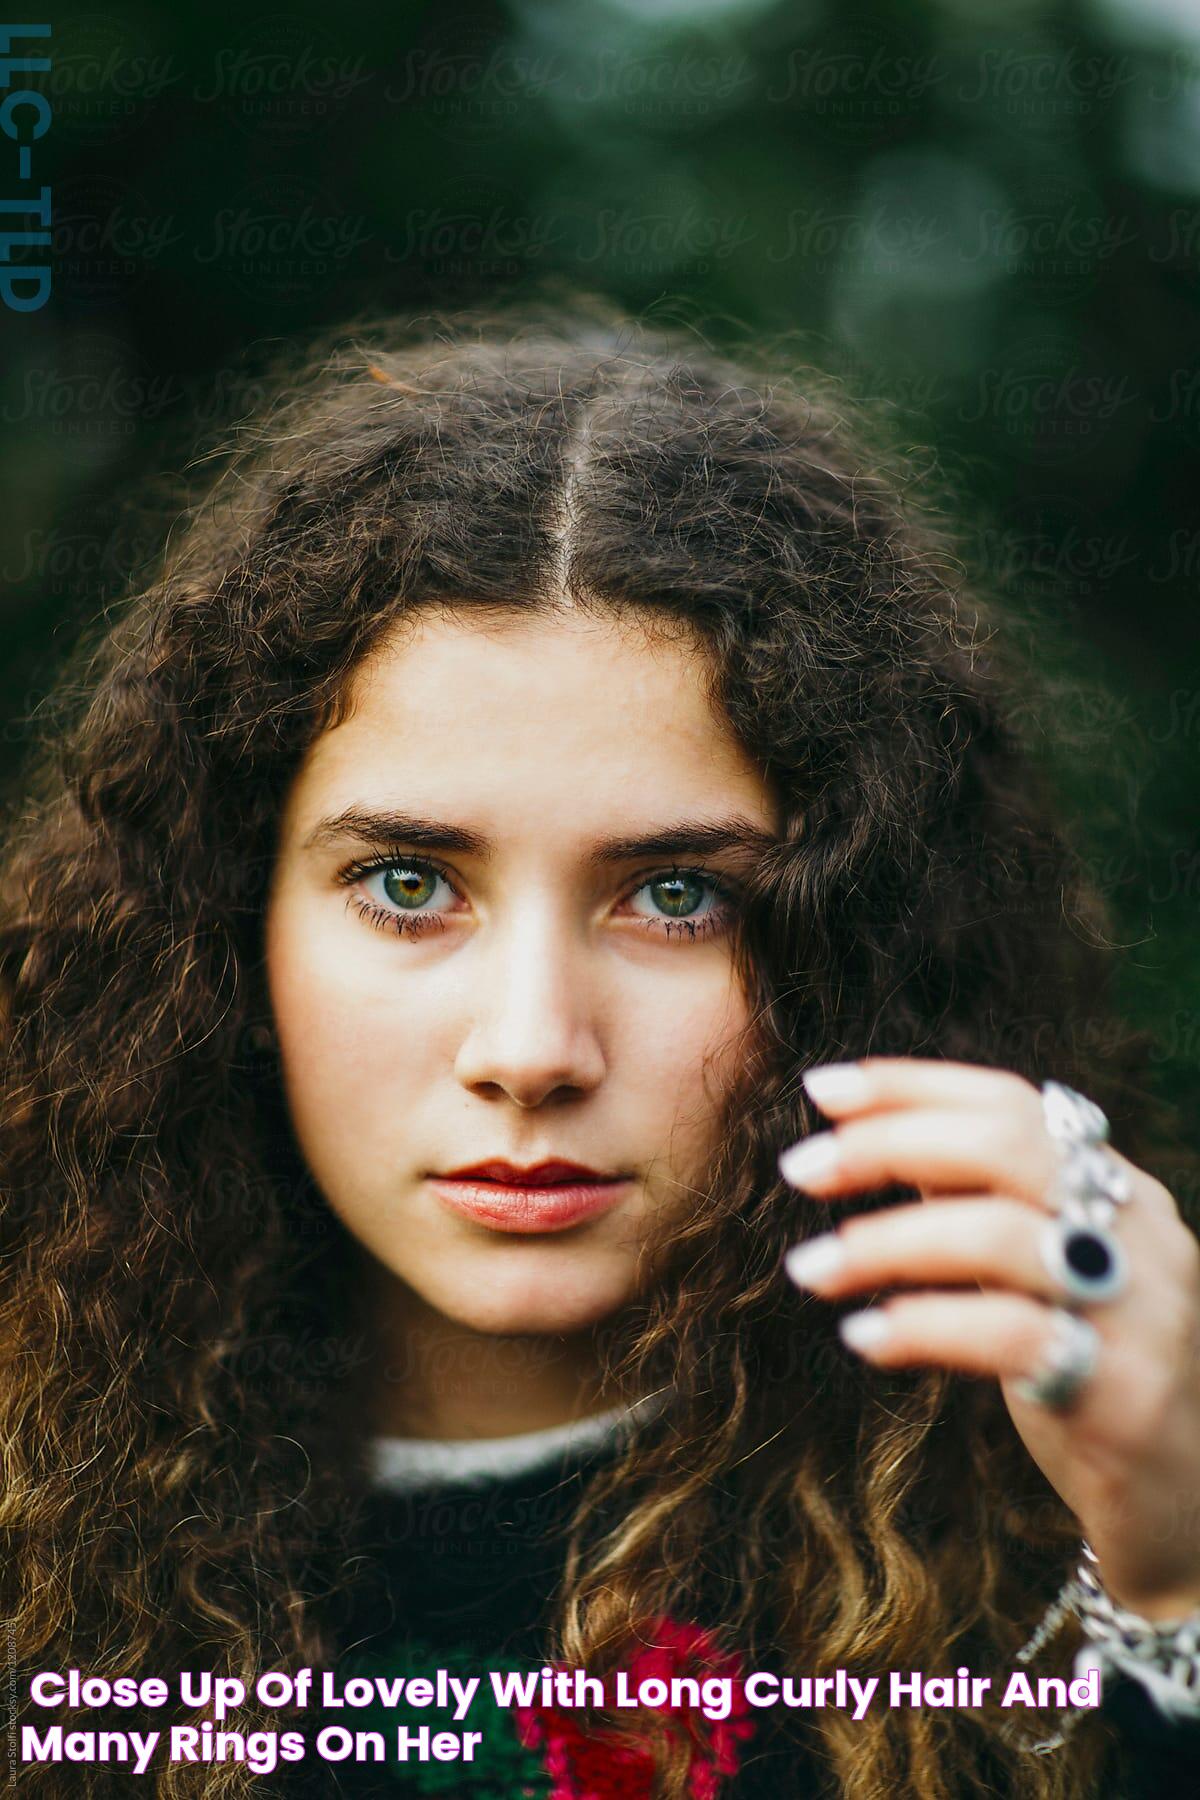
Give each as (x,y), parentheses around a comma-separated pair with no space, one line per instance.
(349,1043)
(685,1052)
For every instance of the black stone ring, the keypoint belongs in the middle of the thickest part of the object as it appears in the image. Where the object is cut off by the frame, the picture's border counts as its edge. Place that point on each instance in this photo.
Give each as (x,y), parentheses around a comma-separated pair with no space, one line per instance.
(1085,1260)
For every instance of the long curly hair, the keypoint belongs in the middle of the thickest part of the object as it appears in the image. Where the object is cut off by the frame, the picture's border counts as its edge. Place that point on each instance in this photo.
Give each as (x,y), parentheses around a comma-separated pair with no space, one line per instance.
(179,1490)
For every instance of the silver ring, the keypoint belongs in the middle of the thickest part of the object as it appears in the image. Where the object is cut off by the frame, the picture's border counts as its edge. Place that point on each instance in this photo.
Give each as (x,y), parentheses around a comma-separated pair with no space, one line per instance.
(1068,1365)
(1090,1182)
(1084,1259)
(1072,1118)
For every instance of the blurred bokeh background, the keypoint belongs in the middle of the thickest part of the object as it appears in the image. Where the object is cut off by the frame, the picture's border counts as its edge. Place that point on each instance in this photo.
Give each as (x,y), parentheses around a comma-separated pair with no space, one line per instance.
(984,214)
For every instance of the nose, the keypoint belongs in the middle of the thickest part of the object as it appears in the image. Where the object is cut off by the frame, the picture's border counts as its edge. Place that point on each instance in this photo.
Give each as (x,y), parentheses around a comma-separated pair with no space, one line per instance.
(533,1027)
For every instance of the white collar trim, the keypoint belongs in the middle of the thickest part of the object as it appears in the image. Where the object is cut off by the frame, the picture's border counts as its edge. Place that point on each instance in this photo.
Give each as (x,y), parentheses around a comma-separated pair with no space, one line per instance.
(403,1465)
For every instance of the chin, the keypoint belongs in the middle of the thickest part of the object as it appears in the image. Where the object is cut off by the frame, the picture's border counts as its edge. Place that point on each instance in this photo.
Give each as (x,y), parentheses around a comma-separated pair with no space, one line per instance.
(542,1302)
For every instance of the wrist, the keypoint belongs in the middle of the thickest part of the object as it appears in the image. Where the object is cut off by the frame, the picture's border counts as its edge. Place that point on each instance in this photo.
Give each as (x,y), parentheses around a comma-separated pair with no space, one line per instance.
(1169,1601)
(1171,1607)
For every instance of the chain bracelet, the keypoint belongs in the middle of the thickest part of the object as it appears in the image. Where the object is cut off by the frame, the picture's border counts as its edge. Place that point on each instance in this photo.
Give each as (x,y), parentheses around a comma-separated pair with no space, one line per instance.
(1164,1657)
(1167,1653)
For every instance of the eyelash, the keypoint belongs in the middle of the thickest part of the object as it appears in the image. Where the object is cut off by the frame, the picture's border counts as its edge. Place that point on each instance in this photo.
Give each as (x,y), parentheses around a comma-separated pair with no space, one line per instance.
(415,924)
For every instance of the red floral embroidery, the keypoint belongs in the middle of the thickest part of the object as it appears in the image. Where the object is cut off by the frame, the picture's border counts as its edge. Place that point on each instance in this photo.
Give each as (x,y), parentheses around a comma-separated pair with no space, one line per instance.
(597,1766)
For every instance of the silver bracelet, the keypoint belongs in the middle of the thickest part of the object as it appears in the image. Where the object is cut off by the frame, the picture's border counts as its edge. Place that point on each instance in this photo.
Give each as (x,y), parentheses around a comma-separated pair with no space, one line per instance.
(1163,1658)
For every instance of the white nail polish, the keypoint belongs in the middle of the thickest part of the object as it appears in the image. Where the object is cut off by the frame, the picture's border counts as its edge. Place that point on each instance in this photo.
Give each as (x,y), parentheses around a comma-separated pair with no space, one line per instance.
(810,1159)
(839,1084)
(810,1262)
(864,1330)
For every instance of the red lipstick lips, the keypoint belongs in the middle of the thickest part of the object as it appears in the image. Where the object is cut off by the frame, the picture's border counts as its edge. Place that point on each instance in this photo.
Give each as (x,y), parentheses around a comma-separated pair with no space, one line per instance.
(551,1195)
(543,1174)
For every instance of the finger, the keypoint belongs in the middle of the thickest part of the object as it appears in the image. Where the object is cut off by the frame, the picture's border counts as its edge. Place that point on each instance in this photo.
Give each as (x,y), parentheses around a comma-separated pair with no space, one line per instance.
(1006,1335)
(935,1149)
(993,1242)
(883,1083)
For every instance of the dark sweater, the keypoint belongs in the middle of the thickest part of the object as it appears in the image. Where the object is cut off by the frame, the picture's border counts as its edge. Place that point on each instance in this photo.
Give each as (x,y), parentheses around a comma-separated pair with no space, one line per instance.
(462,1580)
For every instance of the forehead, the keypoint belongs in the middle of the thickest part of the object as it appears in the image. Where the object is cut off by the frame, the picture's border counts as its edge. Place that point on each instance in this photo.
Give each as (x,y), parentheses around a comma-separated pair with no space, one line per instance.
(562,714)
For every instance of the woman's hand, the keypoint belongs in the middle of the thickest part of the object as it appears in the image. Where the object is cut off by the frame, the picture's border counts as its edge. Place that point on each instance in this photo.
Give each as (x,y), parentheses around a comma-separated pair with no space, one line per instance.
(973,1141)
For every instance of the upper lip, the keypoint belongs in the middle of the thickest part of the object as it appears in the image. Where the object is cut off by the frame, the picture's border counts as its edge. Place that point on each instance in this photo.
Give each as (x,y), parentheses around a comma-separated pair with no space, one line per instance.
(542,1174)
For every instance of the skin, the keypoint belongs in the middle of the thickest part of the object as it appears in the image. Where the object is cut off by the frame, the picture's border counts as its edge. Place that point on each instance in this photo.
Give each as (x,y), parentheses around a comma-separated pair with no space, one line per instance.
(973,1142)
(554,1009)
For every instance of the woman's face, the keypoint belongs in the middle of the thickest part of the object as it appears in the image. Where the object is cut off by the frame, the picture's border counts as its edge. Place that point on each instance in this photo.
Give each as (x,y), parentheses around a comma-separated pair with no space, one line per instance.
(515,979)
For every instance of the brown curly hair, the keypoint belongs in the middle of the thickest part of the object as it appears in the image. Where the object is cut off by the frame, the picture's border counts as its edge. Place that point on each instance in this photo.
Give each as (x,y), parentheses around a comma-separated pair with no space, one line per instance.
(179,1490)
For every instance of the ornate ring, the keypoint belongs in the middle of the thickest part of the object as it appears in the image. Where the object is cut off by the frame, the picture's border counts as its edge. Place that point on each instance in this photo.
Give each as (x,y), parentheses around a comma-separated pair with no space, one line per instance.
(1090,1183)
(1071,1118)
(1068,1367)
(1085,1260)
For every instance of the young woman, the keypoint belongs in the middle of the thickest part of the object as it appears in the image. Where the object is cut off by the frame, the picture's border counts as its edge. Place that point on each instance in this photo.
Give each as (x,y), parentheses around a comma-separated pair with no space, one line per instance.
(545,753)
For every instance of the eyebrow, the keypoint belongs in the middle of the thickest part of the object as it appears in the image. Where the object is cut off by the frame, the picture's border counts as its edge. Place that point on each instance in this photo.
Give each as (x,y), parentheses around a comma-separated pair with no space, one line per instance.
(684,837)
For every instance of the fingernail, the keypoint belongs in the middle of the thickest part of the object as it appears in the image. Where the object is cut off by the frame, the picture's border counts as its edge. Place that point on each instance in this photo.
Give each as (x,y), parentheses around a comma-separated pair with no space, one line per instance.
(864,1330)
(810,1160)
(811,1262)
(838,1084)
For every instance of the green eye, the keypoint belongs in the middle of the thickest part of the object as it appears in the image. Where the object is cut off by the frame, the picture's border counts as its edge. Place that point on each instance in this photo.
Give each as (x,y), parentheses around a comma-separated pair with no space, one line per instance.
(396,894)
(409,886)
(697,901)
(679,895)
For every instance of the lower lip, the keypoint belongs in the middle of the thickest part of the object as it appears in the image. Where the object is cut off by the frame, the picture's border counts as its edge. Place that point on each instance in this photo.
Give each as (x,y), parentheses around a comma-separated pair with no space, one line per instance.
(528,1209)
